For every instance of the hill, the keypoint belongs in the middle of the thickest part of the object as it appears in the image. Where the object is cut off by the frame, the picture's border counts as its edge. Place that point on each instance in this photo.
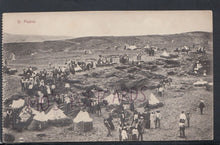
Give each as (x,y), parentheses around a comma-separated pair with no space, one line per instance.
(17,38)
(110,42)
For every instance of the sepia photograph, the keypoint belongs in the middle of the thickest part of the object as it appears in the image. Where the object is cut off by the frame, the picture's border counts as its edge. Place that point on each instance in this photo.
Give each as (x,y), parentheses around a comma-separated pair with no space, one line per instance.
(88,76)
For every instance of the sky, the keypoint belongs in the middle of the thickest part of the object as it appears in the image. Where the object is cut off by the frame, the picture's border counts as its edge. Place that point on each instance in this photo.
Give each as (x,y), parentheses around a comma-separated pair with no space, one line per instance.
(107,23)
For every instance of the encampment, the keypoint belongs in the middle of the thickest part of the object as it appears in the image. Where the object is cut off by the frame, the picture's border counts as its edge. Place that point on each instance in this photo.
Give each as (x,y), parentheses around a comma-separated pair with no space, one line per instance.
(83,122)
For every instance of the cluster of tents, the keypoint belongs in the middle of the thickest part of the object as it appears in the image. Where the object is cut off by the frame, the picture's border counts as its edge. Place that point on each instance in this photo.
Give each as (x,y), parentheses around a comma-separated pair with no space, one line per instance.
(20,116)
(150,98)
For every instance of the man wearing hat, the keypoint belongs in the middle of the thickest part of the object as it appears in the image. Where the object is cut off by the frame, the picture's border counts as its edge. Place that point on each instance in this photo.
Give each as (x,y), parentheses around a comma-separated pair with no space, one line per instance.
(201,106)
(140,127)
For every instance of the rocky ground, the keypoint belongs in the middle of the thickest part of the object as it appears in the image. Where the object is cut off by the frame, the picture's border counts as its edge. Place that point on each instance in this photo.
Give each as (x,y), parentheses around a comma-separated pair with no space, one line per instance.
(180,95)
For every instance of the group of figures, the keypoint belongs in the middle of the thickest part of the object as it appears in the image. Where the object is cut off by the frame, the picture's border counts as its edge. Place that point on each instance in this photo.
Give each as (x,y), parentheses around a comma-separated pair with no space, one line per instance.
(47,82)
(133,128)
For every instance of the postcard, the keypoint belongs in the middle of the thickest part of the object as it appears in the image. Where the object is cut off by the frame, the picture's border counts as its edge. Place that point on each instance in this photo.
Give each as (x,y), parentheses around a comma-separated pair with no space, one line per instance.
(107,76)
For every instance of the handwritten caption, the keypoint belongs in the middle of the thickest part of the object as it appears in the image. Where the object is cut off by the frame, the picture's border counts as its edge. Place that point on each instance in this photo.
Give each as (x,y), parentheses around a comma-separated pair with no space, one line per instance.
(26,21)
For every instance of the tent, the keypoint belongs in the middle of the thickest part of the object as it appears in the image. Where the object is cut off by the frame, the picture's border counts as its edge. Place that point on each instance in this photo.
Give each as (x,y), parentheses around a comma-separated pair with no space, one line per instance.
(200,83)
(153,100)
(165,54)
(39,122)
(25,114)
(78,68)
(17,103)
(185,48)
(130,47)
(83,122)
(56,117)
(147,46)
(112,99)
(13,56)
(150,100)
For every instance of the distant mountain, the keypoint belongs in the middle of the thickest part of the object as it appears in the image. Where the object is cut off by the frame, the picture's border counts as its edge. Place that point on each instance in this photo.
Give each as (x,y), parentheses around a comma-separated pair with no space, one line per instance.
(16,38)
(170,42)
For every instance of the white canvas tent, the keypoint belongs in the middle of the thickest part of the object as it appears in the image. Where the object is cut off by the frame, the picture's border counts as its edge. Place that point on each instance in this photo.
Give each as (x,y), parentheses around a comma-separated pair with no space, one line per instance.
(130,47)
(55,113)
(186,47)
(153,100)
(25,115)
(13,56)
(17,103)
(82,116)
(78,68)
(200,83)
(39,122)
(56,117)
(83,122)
(165,54)
(147,46)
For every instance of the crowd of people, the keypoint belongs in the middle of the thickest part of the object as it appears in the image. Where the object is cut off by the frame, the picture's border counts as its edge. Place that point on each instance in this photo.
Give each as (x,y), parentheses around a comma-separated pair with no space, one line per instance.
(133,128)
(45,83)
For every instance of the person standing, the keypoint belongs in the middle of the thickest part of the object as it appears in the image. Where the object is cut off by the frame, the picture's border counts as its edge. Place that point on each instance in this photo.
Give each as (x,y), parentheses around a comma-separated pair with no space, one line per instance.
(182,129)
(135,134)
(158,118)
(132,106)
(140,127)
(182,121)
(148,120)
(124,134)
(122,117)
(120,130)
(182,117)
(188,119)
(135,118)
(106,123)
(201,106)
(153,120)
(22,84)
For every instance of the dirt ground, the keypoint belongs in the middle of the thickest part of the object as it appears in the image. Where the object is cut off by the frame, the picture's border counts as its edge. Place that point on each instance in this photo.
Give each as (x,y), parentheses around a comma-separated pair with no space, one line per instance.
(175,100)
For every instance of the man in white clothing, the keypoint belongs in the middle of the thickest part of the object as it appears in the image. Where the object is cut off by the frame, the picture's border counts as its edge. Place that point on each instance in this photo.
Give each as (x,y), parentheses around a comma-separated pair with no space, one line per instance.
(182,124)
